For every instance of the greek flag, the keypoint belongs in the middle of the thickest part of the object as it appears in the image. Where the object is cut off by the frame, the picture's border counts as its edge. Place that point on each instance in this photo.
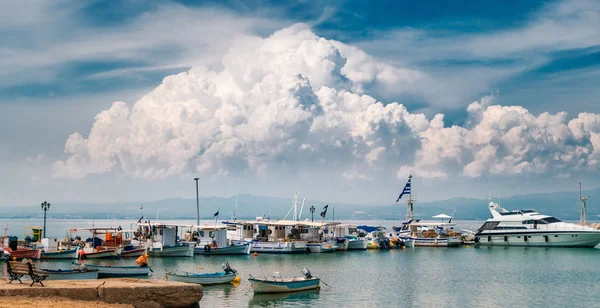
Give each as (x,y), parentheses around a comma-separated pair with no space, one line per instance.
(406,189)
(324,212)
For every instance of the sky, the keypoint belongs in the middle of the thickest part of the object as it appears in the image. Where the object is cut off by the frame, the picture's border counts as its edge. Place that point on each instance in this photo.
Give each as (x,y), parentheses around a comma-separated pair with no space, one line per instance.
(104,101)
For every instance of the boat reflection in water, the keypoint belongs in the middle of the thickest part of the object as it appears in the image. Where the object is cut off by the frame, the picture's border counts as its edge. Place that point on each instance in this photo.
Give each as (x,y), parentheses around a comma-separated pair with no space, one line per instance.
(306,298)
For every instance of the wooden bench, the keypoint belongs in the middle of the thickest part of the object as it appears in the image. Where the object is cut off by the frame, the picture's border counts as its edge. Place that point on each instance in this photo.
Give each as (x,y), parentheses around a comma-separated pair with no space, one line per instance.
(16,270)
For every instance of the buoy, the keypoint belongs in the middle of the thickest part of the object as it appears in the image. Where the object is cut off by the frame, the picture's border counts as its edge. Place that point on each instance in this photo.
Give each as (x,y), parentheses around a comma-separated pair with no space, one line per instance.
(236,280)
(255,254)
(403,247)
(201,267)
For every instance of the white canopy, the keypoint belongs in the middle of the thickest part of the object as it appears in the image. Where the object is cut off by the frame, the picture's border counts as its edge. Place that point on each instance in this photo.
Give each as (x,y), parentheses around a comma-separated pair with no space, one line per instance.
(442,216)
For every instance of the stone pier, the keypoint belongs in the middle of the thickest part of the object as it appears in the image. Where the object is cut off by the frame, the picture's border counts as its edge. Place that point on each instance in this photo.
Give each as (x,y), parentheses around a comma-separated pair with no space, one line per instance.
(135,292)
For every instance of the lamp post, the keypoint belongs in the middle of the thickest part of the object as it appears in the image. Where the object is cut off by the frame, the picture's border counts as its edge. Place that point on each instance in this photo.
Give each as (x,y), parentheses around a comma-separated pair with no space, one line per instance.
(312,213)
(197,204)
(45,208)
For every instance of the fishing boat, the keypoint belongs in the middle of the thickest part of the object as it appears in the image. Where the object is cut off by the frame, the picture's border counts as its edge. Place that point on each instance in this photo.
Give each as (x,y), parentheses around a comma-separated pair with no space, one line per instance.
(278,284)
(161,240)
(113,271)
(227,276)
(212,240)
(351,235)
(70,274)
(265,236)
(23,253)
(132,252)
(59,254)
(426,233)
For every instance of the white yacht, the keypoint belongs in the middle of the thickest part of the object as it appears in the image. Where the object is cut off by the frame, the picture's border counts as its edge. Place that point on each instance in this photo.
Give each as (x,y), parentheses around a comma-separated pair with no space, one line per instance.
(530,228)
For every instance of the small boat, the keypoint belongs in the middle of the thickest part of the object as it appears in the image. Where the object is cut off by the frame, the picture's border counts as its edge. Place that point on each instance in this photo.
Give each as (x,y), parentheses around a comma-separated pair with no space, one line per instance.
(227,276)
(132,252)
(59,254)
(90,253)
(285,285)
(23,253)
(110,271)
(70,274)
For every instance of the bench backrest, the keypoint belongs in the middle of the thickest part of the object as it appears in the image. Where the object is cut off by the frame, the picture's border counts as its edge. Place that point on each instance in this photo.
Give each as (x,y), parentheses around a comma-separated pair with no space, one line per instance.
(20,267)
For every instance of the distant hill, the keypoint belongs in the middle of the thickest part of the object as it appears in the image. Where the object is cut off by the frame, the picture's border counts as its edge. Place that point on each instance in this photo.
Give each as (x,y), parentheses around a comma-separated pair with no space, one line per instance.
(564,205)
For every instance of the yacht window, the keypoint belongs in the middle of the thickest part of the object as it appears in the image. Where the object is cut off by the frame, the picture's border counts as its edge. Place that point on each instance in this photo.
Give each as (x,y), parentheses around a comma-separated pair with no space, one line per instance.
(489,225)
(211,234)
(550,220)
(201,233)
(509,228)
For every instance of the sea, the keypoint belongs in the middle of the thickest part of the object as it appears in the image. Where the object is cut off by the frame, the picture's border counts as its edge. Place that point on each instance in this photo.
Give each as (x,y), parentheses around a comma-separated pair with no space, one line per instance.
(468,276)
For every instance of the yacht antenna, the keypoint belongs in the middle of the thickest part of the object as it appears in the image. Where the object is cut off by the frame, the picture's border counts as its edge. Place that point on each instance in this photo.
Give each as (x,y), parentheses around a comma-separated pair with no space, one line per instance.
(584,199)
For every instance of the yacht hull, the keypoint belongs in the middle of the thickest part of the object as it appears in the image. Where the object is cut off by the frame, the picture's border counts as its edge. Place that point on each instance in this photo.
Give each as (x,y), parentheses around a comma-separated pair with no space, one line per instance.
(545,239)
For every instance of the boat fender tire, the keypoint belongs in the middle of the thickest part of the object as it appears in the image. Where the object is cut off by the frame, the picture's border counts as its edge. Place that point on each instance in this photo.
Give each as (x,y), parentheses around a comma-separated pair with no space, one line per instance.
(206,248)
(307,250)
(506,238)
(476,239)
(546,238)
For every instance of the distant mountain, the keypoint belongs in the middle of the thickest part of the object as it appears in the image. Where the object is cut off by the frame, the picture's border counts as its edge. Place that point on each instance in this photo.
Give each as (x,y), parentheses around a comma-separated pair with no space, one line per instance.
(564,205)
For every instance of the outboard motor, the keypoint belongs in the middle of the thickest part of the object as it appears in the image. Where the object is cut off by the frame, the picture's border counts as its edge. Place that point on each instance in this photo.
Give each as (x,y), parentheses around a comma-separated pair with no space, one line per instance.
(306,273)
(227,268)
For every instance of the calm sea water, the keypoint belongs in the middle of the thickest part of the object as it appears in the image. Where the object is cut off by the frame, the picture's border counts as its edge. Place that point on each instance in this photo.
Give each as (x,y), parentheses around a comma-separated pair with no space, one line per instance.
(448,277)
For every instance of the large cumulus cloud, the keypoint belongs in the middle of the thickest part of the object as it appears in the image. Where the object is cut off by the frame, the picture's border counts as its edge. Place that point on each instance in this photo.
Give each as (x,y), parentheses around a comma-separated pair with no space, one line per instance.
(294,99)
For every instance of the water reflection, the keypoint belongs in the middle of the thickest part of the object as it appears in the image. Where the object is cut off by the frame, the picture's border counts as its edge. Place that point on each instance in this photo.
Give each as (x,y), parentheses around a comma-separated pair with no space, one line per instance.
(305,298)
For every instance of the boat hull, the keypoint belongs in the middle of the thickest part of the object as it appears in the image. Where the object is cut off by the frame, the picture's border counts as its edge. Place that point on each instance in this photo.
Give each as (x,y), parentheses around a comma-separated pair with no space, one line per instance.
(357,244)
(228,250)
(541,239)
(19,254)
(59,255)
(134,253)
(269,286)
(203,279)
(173,251)
(104,254)
(70,274)
(107,271)
(435,242)
(279,247)
(320,247)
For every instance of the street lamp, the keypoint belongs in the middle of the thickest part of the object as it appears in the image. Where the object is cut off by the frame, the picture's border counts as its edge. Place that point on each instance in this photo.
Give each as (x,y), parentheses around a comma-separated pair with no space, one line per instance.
(197,204)
(45,208)
(312,212)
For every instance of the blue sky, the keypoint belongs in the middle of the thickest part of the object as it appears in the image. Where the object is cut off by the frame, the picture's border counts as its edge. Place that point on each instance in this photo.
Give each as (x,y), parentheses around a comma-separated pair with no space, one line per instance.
(66,61)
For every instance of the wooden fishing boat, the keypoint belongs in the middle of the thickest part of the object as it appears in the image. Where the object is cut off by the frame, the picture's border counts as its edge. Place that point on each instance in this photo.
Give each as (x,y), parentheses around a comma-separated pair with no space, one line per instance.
(242,249)
(70,274)
(110,271)
(285,285)
(132,253)
(89,253)
(227,276)
(23,253)
(59,254)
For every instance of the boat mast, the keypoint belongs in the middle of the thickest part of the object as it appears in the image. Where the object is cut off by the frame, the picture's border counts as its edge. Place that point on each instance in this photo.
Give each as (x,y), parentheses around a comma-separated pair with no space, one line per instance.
(235,208)
(410,213)
(584,199)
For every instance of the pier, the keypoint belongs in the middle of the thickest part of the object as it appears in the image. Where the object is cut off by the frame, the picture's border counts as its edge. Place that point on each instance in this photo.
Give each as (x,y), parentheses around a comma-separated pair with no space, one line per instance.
(128,291)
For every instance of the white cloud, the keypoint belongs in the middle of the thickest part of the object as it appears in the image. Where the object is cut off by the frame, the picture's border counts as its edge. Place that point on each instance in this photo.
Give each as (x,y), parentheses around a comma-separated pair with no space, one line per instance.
(294,99)
(165,38)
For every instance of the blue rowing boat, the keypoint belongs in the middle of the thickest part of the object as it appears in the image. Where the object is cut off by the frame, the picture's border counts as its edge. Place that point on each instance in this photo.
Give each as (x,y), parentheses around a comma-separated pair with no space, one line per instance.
(285,285)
